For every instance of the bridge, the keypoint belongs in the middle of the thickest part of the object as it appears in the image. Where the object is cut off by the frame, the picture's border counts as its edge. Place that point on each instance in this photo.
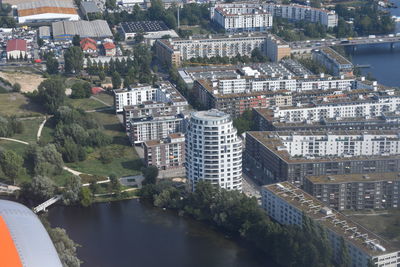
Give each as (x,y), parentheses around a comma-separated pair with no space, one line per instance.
(367,40)
(44,205)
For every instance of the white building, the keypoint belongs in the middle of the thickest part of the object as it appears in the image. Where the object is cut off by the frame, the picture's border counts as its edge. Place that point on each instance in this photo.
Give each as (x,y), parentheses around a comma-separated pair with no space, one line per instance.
(213,150)
(133,96)
(370,107)
(242,17)
(288,205)
(165,92)
(253,82)
(46,11)
(155,128)
(291,12)
(341,144)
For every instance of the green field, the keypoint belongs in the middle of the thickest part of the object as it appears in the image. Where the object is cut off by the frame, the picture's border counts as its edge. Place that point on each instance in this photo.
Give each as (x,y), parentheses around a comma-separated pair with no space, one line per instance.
(384,223)
(125,159)
(30,130)
(105,98)
(16,104)
(84,103)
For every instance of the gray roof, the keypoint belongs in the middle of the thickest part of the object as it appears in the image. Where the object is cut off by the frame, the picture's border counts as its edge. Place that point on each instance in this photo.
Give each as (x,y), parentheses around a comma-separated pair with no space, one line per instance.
(31,239)
(45,3)
(89,7)
(83,28)
(44,31)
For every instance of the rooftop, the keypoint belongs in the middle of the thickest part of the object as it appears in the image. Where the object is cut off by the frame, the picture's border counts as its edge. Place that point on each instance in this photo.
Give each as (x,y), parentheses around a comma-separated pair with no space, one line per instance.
(350,178)
(351,231)
(90,7)
(45,6)
(212,114)
(16,45)
(272,141)
(144,26)
(83,28)
(335,56)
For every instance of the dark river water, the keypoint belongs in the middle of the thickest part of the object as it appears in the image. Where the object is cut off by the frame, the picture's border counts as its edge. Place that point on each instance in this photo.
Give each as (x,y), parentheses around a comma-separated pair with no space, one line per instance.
(384,61)
(131,233)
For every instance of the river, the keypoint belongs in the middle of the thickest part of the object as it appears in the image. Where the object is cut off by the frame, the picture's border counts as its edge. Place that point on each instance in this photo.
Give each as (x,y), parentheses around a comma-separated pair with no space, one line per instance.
(131,233)
(384,62)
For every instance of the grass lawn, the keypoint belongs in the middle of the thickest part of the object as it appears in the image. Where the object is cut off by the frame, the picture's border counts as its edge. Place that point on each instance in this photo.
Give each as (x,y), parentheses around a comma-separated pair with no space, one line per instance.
(85,103)
(125,159)
(383,223)
(18,105)
(14,146)
(106,98)
(31,128)
(48,132)
(61,179)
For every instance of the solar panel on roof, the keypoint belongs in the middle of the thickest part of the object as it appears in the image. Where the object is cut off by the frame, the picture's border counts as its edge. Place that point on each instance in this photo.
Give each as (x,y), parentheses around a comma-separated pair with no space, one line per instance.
(144,26)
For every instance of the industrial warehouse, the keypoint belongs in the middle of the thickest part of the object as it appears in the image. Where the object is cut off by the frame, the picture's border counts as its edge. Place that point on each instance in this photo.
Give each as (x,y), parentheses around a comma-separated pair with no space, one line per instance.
(46,11)
(66,30)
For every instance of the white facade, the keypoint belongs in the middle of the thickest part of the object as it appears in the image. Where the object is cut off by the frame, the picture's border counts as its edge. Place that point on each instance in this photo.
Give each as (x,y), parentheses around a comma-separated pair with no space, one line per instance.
(146,129)
(374,107)
(292,12)
(241,17)
(288,205)
(45,17)
(213,150)
(341,145)
(133,96)
(230,46)
(248,84)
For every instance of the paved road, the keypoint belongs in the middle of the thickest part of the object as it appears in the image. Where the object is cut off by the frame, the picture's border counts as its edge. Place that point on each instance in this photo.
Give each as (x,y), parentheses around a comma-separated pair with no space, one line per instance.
(250,188)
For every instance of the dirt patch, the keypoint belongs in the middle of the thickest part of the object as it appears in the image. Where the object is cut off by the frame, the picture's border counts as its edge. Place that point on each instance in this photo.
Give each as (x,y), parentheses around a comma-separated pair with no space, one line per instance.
(28,82)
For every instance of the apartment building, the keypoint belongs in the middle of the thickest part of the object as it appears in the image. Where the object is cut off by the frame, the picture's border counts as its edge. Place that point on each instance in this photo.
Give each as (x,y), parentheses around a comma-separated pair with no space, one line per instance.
(164,92)
(167,153)
(155,128)
(334,62)
(288,205)
(371,106)
(242,18)
(264,121)
(356,191)
(174,51)
(213,150)
(286,156)
(277,48)
(151,108)
(133,95)
(236,103)
(293,12)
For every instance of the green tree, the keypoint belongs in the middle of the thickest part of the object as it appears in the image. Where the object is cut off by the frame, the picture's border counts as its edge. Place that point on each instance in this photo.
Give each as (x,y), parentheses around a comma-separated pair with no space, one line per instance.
(85,196)
(150,175)
(76,40)
(344,256)
(244,122)
(81,90)
(42,187)
(72,190)
(102,75)
(51,94)
(16,87)
(139,37)
(116,80)
(115,185)
(52,65)
(11,164)
(73,58)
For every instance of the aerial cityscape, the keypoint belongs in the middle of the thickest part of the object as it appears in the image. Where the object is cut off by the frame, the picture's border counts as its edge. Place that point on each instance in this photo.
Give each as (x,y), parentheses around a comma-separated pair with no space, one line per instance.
(199,133)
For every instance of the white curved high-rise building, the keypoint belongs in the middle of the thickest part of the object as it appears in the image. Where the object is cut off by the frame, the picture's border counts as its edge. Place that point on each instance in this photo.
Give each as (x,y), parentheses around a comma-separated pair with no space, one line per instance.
(213,150)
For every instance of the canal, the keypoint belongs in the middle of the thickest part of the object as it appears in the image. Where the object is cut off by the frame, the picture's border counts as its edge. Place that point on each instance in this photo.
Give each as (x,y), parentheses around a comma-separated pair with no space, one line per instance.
(131,233)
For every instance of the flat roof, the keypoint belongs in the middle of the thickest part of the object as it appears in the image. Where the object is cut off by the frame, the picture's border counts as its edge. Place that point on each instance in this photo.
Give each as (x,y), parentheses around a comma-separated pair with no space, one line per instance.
(271,140)
(90,7)
(45,6)
(335,221)
(83,28)
(212,114)
(359,177)
(144,26)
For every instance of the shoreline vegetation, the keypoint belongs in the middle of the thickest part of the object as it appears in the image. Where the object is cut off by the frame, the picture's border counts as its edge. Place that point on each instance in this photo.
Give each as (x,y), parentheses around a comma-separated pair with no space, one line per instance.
(241,217)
